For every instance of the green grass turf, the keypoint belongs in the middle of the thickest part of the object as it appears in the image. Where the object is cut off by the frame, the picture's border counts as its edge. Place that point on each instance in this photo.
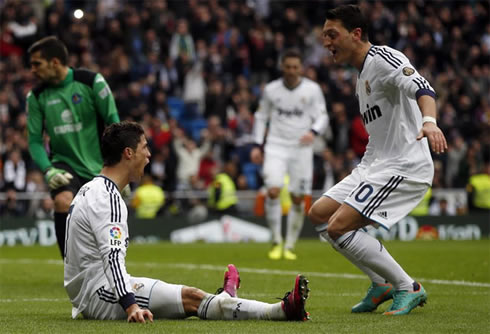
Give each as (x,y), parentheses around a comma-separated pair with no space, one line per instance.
(32,298)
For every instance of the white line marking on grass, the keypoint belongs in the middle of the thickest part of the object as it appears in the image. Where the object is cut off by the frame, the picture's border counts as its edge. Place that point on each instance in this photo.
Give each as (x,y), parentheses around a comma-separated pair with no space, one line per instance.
(34,300)
(191,266)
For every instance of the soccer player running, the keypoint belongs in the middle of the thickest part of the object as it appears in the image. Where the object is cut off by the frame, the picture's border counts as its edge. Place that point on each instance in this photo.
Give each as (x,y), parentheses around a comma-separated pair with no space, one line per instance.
(72,106)
(399,112)
(294,108)
(97,240)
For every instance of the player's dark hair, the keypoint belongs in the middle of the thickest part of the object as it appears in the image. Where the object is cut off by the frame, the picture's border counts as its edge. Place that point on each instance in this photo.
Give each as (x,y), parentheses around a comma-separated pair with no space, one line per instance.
(116,138)
(50,47)
(351,18)
(292,53)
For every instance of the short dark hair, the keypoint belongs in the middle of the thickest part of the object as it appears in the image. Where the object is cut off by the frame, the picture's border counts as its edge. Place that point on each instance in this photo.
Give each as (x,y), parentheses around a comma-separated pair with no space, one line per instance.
(292,53)
(351,18)
(50,47)
(116,138)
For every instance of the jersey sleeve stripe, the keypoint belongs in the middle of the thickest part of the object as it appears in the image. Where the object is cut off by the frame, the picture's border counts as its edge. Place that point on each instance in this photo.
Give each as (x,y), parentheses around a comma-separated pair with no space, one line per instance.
(391,56)
(118,219)
(113,271)
(116,272)
(387,60)
(118,268)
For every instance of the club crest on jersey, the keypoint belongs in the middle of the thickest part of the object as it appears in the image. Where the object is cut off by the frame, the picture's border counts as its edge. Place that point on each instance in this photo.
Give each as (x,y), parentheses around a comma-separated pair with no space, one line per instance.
(76,98)
(115,237)
(368,88)
(408,71)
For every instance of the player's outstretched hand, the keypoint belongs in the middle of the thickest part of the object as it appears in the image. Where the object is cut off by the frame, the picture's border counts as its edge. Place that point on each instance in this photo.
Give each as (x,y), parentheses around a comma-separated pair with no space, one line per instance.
(435,136)
(137,314)
(56,178)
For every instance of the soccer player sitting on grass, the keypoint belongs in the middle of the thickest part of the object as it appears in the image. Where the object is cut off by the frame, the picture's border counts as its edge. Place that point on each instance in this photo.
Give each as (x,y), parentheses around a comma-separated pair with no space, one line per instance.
(399,112)
(96,279)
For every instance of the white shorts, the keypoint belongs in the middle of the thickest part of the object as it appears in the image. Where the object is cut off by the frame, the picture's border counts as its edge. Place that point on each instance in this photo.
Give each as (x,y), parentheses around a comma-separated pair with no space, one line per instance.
(384,198)
(162,299)
(295,161)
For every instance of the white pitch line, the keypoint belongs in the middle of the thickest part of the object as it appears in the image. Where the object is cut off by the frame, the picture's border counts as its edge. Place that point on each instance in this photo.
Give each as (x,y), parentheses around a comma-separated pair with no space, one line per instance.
(191,266)
(50,300)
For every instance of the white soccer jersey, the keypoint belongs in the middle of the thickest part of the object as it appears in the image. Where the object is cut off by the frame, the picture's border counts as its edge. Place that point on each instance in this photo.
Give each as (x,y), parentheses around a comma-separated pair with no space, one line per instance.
(291,113)
(96,243)
(387,89)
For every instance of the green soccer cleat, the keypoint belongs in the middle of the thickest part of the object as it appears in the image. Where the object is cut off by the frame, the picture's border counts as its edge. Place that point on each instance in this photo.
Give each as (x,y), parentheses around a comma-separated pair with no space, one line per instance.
(276,252)
(405,301)
(376,295)
(289,255)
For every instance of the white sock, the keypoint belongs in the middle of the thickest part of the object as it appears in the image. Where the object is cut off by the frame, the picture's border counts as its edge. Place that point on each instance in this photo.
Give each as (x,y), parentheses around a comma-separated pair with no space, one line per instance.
(295,222)
(371,253)
(322,230)
(274,217)
(224,307)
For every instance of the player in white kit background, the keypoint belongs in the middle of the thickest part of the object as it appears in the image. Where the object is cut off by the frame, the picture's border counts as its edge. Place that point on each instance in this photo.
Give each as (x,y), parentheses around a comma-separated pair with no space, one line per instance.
(398,109)
(292,109)
(97,239)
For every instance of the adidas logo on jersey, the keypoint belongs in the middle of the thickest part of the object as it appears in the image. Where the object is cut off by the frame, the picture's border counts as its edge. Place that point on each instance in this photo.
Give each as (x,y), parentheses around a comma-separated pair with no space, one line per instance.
(383,214)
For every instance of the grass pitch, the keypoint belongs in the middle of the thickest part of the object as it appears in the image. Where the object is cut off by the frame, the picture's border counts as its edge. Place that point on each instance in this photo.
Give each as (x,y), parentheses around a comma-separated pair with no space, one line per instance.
(456,275)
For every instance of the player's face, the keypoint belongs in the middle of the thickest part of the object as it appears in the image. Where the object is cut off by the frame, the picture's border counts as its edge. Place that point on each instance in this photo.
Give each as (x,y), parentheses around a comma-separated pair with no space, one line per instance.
(291,69)
(43,69)
(141,159)
(338,41)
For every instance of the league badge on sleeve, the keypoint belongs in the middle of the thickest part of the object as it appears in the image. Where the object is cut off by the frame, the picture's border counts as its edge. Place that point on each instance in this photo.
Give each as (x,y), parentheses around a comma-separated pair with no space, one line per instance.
(408,71)
(115,237)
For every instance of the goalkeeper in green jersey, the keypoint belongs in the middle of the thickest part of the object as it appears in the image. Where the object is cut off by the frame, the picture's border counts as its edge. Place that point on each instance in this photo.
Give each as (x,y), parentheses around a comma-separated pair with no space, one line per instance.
(72,106)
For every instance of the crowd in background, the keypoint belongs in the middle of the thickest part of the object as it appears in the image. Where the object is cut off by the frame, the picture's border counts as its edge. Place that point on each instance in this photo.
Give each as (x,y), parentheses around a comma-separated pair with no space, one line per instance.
(191,72)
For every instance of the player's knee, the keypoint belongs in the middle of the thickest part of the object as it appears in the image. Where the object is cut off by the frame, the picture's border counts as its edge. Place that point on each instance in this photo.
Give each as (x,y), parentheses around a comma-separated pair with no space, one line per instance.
(62,201)
(317,215)
(336,227)
(191,299)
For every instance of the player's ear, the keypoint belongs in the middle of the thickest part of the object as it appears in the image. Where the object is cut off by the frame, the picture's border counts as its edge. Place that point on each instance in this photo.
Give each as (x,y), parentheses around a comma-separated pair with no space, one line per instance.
(128,153)
(357,33)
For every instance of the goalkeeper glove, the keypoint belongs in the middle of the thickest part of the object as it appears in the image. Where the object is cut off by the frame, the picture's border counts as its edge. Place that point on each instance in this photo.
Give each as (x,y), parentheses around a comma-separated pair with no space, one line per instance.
(57,177)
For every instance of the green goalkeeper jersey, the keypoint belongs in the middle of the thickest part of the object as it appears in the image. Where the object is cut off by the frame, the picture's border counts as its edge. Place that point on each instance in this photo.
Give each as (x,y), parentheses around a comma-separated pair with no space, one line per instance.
(73,114)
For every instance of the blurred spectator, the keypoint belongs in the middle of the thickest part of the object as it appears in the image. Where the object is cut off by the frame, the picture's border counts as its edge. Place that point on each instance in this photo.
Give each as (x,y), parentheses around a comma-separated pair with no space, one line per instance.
(14,172)
(182,43)
(441,208)
(189,157)
(479,189)
(222,191)
(148,198)
(45,210)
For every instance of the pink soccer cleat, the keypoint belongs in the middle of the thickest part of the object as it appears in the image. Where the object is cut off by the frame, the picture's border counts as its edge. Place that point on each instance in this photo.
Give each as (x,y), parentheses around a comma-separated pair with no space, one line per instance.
(231,282)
